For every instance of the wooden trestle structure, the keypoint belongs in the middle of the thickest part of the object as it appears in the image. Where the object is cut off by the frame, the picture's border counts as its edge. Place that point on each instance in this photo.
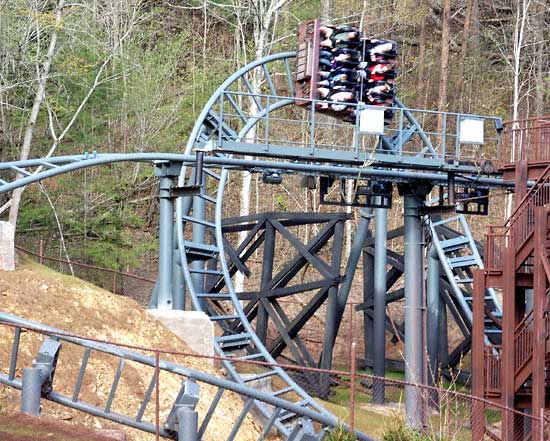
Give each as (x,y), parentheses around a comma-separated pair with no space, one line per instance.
(516,373)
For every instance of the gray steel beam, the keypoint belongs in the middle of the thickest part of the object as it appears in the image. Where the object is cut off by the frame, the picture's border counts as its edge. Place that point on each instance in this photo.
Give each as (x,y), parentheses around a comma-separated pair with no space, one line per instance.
(368,299)
(166,241)
(31,390)
(379,338)
(414,347)
(77,162)
(433,306)
(188,424)
(267,275)
(241,389)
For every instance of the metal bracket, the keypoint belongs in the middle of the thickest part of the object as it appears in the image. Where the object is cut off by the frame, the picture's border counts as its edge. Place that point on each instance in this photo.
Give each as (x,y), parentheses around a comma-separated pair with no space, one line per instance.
(374,194)
(474,201)
(188,397)
(46,361)
(304,431)
(186,190)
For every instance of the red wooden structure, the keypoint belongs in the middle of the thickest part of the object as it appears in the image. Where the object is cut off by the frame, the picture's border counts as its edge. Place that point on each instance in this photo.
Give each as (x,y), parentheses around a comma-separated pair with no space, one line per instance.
(516,374)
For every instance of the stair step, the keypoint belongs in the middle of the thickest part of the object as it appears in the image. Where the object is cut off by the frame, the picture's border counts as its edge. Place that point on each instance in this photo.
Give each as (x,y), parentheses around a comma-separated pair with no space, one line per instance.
(207,198)
(212,174)
(259,376)
(213,296)
(455,243)
(200,251)
(461,261)
(233,340)
(205,271)
(463,281)
(280,392)
(199,221)
(285,414)
(216,318)
(446,221)
(470,298)
(493,331)
(252,356)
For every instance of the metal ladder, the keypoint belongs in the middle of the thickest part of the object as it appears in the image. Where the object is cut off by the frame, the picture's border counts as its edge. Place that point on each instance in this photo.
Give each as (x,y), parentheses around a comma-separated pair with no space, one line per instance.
(459,255)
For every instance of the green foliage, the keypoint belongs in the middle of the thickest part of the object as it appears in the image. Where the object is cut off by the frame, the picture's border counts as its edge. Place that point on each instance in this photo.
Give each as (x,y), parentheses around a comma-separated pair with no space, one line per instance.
(281,203)
(397,430)
(339,433)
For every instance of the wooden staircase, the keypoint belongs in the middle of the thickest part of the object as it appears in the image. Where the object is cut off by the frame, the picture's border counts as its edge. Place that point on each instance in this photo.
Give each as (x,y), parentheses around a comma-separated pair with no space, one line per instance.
(515,373)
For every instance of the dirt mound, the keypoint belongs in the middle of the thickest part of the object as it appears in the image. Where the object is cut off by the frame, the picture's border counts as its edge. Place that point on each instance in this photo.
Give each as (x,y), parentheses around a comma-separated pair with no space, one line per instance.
(21,427)
(40,294)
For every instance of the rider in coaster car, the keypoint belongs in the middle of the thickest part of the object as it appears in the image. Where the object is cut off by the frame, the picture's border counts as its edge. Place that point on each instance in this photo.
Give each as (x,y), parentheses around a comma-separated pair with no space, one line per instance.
(346,54)
(376,46)
(332,36)
(379,58)
(324,54)
(343,74)
(380,69)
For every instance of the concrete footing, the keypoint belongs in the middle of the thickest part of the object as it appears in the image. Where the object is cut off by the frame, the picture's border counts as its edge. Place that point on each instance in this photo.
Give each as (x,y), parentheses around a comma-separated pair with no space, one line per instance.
(194,328)
(7,246)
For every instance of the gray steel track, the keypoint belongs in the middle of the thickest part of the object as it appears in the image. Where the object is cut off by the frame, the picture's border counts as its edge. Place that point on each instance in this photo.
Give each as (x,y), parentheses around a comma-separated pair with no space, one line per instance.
(141,419)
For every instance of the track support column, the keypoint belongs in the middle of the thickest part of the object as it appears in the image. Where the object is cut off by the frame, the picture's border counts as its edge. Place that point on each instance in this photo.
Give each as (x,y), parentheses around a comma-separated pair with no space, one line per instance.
(379,338)
(414,195)
(433,306)
(162,297)
(31,390)
(188,420)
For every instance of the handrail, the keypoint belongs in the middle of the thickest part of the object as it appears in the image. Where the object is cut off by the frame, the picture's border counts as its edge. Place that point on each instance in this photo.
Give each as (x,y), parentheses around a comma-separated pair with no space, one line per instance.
(520,225)
(536,186)
(523,341)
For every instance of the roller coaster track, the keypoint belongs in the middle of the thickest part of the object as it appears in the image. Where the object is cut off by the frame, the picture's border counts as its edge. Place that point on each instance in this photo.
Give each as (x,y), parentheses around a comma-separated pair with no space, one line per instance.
(201,241)
(251,94)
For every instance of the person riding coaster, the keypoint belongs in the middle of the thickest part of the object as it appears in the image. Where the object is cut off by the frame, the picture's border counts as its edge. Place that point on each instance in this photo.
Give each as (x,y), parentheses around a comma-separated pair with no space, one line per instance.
(332,36)
(375,46)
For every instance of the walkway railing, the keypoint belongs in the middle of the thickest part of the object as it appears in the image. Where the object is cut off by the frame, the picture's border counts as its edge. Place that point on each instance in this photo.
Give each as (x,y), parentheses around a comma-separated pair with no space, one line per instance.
(519,227)
(526,140)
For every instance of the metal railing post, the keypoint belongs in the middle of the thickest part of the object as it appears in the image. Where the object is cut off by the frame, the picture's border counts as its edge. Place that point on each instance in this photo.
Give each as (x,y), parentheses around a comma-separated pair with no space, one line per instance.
(312,130)
(188,421)
(352,387)
(31,390)
(266,126)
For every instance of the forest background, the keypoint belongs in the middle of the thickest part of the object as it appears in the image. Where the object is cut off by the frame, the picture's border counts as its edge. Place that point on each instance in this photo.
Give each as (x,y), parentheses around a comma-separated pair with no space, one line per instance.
(133,75)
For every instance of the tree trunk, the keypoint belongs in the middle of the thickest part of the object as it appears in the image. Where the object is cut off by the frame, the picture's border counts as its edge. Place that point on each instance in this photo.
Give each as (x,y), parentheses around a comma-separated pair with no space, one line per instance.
(326,10)
(541,60)
(43,75)
(464,48)
(421,60)
(444,63)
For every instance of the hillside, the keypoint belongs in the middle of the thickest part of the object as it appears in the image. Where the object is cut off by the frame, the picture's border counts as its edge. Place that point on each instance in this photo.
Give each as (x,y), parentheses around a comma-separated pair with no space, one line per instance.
(40,294)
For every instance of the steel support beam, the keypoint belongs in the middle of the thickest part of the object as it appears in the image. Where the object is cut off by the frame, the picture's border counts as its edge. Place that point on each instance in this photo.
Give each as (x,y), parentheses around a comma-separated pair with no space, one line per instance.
(433,306)
(368,301)
(163,296)
(188,422)
(414,348)
(379,338)
(199,236)
(31,390)
(267,275)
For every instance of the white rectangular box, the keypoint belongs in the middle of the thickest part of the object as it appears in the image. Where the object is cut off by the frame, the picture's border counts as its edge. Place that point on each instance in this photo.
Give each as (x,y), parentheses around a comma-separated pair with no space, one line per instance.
(471,131)
(371,121)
